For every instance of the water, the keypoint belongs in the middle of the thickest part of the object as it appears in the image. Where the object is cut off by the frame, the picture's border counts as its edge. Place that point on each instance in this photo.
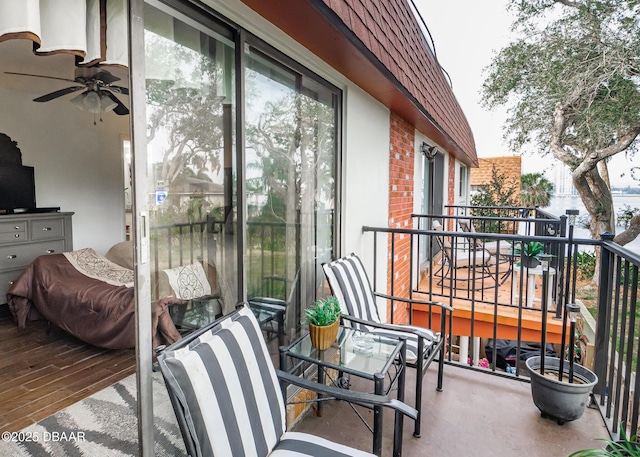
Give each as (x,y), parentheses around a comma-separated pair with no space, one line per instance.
(559,205)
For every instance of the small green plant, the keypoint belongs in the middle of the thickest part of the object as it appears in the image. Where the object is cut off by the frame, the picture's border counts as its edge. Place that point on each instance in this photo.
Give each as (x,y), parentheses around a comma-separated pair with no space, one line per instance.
(622,447)
(531,249)
(324,311)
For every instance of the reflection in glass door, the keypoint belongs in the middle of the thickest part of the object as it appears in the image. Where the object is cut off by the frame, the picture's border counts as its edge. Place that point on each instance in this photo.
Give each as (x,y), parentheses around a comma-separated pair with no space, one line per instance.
(190,110)
(290,157)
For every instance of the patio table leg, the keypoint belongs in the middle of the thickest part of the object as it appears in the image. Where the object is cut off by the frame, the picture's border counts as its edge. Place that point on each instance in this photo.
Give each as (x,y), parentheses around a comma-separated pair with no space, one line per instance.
(399,417)
(377,415)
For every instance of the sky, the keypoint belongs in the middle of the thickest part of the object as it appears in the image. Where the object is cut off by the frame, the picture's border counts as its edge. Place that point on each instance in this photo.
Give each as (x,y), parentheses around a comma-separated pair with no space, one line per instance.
(467,34)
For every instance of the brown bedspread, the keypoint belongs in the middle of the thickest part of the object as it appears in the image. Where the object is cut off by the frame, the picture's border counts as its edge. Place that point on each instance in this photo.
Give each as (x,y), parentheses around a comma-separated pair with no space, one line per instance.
(94,311)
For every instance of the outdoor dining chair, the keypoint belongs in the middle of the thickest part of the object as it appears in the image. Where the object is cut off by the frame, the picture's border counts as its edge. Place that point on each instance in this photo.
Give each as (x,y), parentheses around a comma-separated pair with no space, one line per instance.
(495,248)
(228,397)
(349,282)
(473,268)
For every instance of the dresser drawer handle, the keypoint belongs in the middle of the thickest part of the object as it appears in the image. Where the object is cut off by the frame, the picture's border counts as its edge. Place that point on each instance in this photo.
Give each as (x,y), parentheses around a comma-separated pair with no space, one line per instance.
(17,227)
(46,229)
(11,283)
(50,251)
(17,235)
(11,256)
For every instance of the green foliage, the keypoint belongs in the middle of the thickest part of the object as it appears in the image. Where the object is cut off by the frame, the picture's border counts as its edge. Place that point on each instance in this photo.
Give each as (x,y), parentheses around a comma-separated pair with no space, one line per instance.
(625,446)
(324,311)
(582,56)
(586,264)
(535,190)
(625,214)
(531,249)
(501,191)
(569,79)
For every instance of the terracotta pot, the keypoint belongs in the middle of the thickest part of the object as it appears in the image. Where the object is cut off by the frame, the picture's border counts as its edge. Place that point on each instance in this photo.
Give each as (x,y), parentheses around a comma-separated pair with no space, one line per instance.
(323,337)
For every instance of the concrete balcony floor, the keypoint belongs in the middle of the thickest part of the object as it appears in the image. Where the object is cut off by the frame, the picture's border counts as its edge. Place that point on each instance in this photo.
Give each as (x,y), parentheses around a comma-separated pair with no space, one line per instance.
(476,415)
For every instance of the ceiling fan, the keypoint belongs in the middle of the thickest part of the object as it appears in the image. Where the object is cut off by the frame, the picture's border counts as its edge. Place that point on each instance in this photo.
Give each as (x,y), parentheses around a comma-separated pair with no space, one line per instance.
(98,95)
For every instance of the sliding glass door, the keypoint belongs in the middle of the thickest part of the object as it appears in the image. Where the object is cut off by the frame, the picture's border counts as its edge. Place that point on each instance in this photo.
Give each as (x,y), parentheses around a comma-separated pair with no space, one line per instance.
(288,154)
(190,69)
(291,123)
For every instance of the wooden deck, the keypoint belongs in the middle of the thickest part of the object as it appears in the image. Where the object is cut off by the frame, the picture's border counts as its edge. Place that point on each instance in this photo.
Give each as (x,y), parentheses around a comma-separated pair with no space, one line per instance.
(479,308)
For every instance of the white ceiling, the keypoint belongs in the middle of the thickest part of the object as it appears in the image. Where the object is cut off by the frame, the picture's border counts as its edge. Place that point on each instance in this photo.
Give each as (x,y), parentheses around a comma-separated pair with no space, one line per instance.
(17,56)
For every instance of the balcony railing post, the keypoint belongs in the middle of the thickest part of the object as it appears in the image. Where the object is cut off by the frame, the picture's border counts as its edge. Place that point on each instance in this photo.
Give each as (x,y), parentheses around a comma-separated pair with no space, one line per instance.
(602,327)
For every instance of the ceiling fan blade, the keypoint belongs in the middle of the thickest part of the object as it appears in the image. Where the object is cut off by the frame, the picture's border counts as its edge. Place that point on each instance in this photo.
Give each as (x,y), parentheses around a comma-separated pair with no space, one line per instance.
(58,93)
(118,89)
(120,109)
(39,76)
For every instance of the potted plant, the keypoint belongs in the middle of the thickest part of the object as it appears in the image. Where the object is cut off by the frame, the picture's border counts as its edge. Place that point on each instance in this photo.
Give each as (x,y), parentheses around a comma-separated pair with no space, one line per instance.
(615,448)
(554,396)
(561,388)
(323,319)
(531,252)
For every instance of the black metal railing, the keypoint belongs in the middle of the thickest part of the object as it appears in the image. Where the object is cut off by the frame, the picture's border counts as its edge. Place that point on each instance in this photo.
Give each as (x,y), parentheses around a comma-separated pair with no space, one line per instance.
(488,301)
(617,332)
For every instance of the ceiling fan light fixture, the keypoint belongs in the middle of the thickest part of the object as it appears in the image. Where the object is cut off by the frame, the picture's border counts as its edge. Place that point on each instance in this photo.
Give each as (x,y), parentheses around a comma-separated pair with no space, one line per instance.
(94,102)
(106,103)
(87,101)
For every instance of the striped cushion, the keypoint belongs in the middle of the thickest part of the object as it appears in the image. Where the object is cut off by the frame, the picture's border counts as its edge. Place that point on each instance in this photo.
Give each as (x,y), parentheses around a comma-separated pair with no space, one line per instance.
(350,284)
(226,383)
(299,444)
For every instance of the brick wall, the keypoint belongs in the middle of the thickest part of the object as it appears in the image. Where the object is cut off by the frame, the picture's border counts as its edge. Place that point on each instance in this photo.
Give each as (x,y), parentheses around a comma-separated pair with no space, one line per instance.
(401,182)
(511,166)
(451,192)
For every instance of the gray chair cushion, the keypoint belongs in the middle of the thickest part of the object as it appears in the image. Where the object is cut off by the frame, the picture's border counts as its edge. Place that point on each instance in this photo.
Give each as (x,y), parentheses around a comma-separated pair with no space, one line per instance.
(226,388)
(350,284)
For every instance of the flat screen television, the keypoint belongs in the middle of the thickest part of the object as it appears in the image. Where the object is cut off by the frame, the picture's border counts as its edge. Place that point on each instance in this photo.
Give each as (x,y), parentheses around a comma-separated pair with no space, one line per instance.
(17,189)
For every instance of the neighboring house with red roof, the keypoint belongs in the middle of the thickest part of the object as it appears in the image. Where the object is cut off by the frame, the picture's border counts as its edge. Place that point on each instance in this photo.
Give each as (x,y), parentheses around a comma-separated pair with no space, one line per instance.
(510,166)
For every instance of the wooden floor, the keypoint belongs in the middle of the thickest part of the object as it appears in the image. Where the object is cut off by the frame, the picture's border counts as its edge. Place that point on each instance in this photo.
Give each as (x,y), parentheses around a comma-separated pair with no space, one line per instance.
(43,372)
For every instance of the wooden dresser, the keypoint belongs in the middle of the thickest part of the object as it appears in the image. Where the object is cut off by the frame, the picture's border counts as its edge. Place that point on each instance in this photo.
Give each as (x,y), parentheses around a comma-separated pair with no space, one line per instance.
(23,237)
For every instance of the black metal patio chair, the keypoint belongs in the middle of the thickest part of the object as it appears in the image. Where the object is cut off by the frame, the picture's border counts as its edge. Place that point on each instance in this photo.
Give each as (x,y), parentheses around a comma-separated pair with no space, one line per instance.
(228,397)
(473,268)
(350,284)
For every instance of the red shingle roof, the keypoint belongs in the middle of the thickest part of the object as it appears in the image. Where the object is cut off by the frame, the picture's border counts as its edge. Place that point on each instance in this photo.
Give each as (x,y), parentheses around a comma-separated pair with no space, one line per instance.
(379,46)
(390,31)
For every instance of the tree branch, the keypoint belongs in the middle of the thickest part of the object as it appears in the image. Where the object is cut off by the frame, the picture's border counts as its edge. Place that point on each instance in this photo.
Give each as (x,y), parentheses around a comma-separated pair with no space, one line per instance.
(568,3)
(630,234)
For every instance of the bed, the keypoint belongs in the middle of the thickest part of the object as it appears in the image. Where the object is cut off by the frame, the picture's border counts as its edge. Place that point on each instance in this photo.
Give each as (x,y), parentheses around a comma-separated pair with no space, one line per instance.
(88,296)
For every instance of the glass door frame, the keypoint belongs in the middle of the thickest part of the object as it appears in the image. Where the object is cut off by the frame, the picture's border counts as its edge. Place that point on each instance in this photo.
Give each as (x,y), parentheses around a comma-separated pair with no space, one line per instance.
(140,229)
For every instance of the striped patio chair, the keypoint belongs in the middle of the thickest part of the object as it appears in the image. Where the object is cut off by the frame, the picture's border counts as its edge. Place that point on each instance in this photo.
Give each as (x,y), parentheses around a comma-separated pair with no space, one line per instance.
(350,284)
(228,400)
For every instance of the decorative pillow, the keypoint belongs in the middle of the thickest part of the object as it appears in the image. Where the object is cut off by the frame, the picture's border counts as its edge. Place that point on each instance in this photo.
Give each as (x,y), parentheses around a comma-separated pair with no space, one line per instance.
(189,281)
(122,254)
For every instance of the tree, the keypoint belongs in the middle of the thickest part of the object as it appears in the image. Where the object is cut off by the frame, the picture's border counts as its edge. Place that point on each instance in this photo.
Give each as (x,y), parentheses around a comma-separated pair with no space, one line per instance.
(535,190)
(490,199)
(571,81)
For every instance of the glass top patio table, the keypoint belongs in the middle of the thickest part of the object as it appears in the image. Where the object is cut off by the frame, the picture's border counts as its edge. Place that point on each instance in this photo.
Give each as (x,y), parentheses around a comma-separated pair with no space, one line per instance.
(357,352)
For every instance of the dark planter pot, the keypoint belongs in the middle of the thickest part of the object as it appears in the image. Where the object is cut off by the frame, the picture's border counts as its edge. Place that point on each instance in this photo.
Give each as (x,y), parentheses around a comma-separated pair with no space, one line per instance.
(530,262)
(559,400)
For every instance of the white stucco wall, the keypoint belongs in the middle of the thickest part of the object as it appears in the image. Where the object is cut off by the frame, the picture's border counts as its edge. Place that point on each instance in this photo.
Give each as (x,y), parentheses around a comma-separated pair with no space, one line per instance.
(78,165)
(365,174)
